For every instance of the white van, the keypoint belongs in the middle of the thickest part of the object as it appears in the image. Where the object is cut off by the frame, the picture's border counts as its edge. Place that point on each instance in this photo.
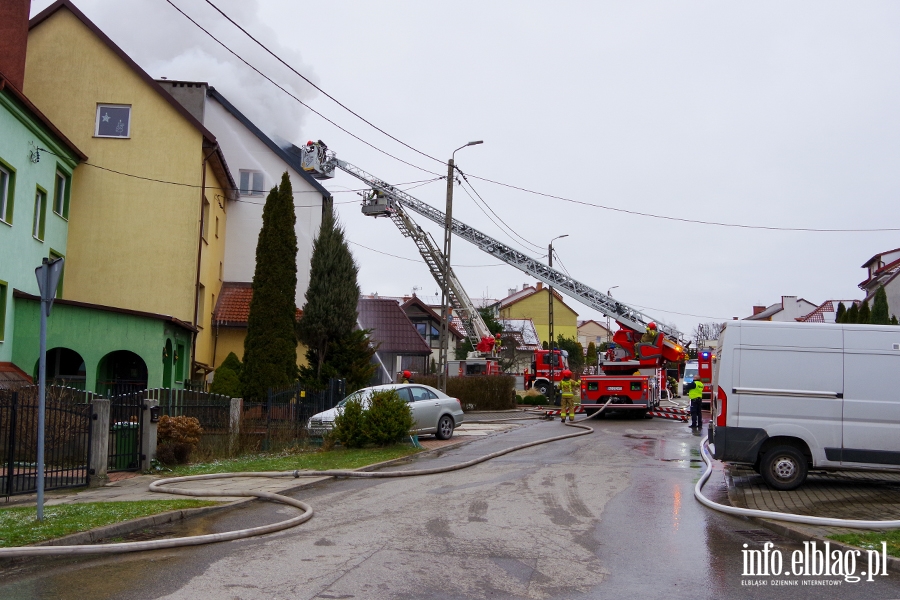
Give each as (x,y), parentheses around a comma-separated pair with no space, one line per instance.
(788,397)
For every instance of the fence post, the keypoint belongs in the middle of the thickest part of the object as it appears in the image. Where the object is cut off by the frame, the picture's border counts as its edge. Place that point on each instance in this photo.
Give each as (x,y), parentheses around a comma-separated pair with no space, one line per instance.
(234,424)
(148,435)
(99,452)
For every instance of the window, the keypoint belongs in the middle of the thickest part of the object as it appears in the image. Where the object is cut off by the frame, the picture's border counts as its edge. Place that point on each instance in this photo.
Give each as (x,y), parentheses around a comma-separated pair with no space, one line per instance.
(204,220)
(7,181)
(113,121)
(217,226)
(252,183)
(40,214)
(3,286)
(61,195)
(59,288)
(201,304)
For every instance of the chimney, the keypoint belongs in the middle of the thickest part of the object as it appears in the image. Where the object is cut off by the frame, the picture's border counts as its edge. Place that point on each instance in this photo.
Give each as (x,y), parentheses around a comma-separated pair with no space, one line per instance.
(540,285)
(13,39)
(758,309)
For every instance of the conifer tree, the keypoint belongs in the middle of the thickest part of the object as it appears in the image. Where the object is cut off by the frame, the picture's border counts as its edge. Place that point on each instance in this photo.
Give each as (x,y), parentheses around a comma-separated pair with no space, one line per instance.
(852,315)
(864,313)
(880,308)
(270,348)
(839,314)
(591,358)
(894,320)
(329,314)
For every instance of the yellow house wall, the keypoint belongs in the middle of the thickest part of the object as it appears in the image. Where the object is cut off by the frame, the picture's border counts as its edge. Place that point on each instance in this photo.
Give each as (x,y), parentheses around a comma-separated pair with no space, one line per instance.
(231,339)
(536,308)
(132,243)
(212,259)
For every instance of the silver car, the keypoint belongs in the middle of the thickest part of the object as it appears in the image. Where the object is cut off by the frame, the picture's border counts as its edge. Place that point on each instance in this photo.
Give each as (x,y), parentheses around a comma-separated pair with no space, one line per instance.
(432,410)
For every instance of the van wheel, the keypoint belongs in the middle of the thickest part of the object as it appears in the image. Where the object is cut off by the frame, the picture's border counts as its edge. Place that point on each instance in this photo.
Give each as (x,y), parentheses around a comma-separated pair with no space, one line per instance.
(784,468)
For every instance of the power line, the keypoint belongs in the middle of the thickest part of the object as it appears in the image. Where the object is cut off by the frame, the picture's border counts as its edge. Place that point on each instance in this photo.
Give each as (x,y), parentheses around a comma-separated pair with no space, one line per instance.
(416,260)
(326,94)
(488,206)
(270,80)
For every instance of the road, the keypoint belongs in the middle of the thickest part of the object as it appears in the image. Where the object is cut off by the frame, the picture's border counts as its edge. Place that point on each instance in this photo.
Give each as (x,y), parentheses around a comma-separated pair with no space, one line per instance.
(608,515)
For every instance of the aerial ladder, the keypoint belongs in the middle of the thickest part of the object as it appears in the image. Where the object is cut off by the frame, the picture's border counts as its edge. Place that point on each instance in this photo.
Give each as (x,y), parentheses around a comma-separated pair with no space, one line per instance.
(387,200)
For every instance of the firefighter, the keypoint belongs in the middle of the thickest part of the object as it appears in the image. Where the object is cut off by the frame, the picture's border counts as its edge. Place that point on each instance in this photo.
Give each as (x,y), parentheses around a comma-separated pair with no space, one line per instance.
(497,344)
(407,377)
(567,387)
(695,393)
(650,335)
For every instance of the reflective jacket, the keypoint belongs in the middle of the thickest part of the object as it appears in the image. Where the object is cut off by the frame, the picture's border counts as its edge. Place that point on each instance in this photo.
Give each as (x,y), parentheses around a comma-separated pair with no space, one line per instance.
(696,392)
(568,387)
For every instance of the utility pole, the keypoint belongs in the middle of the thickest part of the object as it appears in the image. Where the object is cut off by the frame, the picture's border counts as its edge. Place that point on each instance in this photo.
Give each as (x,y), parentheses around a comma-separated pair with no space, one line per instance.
(551,344)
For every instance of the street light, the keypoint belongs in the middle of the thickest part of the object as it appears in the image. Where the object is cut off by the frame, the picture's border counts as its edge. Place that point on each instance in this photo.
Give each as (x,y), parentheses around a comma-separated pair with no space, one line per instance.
(550,344)
(608,324)
(445,273)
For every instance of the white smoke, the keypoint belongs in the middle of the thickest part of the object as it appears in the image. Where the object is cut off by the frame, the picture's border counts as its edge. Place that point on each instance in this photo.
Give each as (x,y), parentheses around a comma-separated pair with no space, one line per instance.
(165,44)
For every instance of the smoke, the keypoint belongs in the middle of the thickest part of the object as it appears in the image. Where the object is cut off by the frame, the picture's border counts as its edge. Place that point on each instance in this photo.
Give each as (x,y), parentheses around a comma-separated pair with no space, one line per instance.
(165,44)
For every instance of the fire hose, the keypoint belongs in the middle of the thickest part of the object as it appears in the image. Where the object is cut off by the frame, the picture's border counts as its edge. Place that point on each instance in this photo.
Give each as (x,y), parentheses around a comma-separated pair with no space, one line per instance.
(779,516)
(162,486)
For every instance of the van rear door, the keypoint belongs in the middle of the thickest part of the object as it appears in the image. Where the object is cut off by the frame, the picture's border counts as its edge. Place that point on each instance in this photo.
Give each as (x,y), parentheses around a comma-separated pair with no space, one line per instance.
(872,397)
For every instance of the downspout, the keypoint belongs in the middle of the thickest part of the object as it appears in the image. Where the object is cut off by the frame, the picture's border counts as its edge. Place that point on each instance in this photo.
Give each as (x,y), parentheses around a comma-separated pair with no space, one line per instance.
(199,257)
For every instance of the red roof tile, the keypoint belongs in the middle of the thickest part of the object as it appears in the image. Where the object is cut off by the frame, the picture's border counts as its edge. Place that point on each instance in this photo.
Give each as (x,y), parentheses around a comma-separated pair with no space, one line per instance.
(233,305)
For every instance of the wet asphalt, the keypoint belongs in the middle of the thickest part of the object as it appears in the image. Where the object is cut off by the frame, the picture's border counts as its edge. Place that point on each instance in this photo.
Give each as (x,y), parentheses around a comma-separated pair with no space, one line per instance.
(609,515)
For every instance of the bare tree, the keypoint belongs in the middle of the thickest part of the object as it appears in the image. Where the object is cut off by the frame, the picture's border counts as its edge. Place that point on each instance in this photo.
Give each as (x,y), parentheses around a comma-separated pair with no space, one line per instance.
(707,331)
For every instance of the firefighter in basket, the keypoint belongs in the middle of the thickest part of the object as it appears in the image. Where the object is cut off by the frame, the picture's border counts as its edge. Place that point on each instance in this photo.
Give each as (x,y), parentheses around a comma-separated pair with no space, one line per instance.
(568,388)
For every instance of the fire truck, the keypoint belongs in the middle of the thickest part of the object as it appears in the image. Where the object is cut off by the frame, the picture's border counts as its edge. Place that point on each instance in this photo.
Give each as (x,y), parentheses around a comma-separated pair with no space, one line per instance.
(546,370)
(631,364)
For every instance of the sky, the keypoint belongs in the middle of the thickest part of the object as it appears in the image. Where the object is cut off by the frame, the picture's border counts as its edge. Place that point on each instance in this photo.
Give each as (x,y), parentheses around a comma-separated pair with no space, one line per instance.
(764,114)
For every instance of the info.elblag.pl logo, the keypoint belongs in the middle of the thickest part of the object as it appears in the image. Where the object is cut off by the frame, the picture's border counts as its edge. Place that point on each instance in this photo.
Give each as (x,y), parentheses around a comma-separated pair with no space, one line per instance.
(822,563)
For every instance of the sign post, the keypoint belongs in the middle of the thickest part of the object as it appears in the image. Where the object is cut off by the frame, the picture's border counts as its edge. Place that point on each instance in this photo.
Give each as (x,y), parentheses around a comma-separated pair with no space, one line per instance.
(48,275)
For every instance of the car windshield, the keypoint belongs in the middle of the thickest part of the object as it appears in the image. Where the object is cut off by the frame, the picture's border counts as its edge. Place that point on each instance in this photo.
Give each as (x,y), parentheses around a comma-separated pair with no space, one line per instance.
(353,396)
(690,372)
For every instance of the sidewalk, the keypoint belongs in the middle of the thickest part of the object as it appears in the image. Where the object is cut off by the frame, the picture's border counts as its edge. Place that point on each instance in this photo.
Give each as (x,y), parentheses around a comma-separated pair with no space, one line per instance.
(841,495)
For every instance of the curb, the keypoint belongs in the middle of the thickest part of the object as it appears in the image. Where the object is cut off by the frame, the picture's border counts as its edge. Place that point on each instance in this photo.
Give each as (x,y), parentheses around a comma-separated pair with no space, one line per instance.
(786,529)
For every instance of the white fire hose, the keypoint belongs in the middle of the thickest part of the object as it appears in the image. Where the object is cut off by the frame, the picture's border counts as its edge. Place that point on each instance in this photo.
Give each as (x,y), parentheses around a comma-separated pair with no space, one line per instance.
(162,486)
(779,516)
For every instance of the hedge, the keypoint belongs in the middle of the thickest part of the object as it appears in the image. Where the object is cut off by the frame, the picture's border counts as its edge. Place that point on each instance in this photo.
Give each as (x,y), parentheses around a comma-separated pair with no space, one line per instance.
(485,392)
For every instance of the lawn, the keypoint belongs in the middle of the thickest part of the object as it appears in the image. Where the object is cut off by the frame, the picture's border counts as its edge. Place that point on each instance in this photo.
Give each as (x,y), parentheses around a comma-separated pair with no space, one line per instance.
(316,460)
(872,540)
(19,525)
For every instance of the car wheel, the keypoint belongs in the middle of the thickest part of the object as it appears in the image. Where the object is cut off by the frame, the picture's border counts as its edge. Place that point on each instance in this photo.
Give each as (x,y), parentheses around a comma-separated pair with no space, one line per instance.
(444,428)
(784,468)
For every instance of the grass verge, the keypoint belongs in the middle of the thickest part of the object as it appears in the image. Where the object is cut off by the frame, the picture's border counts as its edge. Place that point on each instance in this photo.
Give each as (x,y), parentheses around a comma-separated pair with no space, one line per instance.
(342,458)
(872,540)
(19,525)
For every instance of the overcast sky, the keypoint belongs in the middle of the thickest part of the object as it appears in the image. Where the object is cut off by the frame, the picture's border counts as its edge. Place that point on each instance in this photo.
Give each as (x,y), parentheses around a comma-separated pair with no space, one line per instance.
(780,114)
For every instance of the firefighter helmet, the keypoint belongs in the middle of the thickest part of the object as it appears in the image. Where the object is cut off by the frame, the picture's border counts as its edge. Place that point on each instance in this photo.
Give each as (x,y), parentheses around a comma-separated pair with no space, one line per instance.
(651,325)
(567,373)
(407,374)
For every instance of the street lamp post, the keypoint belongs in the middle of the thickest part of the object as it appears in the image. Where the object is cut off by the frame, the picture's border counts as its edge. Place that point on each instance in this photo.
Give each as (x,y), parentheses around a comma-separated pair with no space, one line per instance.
(446,311)
(550,344)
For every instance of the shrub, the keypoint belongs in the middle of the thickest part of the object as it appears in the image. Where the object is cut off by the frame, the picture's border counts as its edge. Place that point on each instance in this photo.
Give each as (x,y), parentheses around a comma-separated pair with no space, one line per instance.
(176,438)
(487,392)
(536,400)
(387,419)
(349,425)
(226,382)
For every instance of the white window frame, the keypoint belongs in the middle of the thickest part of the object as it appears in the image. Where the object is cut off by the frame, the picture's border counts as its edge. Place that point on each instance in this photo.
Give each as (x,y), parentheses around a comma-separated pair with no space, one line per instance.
(59,198)
(4,193)
(97,122)
(40,212)
(253,175)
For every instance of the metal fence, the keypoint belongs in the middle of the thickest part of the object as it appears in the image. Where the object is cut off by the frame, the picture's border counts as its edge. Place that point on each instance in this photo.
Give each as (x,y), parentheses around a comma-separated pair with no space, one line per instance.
(281,420)
(67,439)
(126,416)
(213,411)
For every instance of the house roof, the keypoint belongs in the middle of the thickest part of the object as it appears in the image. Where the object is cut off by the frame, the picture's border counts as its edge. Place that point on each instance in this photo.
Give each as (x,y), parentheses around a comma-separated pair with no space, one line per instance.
(291,159)
(427,310)
(829,306)
(233,305)
(879,273)
(6,84)
(525,293)
(112,309)
(67,4)
(523,330)
(391,328)
(879,255)
(12,377)
(775,308)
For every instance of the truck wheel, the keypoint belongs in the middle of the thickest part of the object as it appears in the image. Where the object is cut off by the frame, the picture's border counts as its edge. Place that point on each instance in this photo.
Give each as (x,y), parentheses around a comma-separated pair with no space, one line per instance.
(783,468)
(543,387)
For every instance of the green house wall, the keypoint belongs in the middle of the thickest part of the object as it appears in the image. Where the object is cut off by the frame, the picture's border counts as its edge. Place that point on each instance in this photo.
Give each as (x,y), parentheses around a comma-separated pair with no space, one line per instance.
(94,333)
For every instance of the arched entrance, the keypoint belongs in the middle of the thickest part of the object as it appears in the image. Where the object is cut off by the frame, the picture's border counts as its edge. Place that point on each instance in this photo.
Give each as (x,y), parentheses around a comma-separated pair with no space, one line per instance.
(64,367)
(121,372)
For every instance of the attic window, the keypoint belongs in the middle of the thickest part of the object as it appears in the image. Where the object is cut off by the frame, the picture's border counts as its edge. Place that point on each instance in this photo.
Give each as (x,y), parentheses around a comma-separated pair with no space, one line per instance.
(252,183)
(113,121)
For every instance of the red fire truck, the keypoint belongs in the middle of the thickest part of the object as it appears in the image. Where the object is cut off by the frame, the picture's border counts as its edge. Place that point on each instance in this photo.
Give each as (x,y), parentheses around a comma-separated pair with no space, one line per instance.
(546,370)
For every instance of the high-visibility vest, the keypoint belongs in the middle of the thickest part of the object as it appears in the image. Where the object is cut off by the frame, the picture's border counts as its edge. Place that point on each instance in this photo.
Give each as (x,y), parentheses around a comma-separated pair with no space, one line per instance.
(568,387)
(696,392)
